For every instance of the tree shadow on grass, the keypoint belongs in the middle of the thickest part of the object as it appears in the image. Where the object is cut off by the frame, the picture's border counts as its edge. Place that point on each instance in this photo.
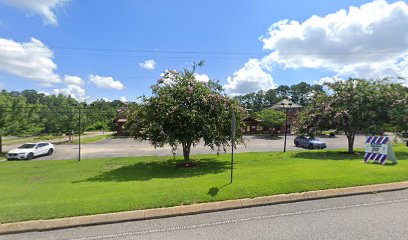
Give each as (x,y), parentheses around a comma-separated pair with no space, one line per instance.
(214,190)
(143,171)
(340,155)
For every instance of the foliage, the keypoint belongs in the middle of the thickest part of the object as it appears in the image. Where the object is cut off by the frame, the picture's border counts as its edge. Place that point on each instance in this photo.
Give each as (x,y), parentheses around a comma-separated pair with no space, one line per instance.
(353,106)
(32,113)
(301,94)
(184,111)
(399,111)
(271,118)
(63,188)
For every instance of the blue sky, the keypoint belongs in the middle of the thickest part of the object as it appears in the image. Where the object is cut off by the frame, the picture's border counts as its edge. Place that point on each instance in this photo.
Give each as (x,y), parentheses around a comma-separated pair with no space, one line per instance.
(111,38)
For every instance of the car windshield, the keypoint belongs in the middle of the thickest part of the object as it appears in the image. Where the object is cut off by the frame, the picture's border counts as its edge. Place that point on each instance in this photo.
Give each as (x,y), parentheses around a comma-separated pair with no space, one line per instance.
(27,146)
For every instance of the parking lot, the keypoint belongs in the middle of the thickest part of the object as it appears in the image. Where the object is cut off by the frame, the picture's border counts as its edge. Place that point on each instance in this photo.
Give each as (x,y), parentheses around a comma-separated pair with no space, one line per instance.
(125,147)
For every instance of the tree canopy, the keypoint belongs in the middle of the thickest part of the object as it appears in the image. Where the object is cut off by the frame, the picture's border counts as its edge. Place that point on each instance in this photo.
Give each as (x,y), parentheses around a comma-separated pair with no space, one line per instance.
(301,93)
(353,106)
(183,111)
(32,113)
(271,118)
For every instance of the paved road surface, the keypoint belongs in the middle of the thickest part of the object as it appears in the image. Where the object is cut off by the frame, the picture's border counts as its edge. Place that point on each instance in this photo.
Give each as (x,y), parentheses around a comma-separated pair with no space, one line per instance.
(126,147)
(372,216)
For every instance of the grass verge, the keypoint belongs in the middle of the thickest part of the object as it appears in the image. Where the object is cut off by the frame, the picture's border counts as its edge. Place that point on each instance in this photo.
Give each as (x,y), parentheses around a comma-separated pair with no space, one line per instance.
(53,189)
(93,139)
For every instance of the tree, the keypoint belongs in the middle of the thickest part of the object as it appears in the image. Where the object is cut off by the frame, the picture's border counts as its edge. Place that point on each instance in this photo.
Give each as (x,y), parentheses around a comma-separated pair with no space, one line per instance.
(356,105)
(184,111)
(16,118)
(399,111)
(302,93)
(271,118)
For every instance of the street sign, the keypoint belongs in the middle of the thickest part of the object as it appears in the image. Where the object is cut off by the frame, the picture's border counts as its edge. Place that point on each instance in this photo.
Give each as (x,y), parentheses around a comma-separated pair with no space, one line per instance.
(379,149)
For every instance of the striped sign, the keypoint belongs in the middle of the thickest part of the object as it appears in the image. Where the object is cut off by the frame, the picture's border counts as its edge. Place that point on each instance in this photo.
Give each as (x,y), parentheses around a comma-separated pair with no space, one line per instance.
(377,149)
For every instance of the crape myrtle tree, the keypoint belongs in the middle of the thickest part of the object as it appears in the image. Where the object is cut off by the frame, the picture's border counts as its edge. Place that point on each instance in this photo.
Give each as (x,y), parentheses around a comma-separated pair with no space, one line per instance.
(352,106)
(399,113)
(183,111)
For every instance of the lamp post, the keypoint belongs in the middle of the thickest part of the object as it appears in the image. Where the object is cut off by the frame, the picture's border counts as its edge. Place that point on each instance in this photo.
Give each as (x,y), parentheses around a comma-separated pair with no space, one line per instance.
(233,129)
(286,122)
(79,130)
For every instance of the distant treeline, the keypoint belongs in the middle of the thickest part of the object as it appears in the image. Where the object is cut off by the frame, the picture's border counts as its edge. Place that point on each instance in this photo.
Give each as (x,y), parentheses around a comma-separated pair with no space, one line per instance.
(31,113)
(301,94)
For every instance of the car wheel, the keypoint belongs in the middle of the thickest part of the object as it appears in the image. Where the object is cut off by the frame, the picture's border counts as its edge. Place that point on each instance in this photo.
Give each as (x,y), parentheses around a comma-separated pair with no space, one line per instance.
(30,156)
(296,144)
(50,151)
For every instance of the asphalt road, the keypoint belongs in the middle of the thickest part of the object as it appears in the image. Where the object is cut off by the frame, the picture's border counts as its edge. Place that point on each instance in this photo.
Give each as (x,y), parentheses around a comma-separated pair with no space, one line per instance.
(126,147)
(371,216)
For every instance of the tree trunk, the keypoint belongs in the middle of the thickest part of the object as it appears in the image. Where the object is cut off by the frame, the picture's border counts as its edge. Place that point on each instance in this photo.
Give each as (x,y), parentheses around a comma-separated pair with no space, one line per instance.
(186,151)
(350,138)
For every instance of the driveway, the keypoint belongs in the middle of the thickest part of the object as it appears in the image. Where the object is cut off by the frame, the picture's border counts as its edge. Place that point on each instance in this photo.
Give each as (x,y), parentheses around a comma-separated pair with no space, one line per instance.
(126,147)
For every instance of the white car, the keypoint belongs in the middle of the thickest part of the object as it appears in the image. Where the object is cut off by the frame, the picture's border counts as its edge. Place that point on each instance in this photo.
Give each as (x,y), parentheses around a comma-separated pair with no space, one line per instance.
(30,150)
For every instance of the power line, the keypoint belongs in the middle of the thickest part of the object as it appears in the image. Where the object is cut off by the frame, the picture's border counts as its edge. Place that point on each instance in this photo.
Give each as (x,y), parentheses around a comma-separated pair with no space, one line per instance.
(158,52)
(134,50)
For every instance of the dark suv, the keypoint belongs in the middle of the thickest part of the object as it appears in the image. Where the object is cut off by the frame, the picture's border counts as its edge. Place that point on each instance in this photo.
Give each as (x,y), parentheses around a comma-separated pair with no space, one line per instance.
(309,143)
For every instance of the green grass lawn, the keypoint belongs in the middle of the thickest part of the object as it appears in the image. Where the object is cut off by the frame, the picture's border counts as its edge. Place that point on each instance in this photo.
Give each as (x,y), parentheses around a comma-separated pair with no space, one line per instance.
(52,189)
(92,139)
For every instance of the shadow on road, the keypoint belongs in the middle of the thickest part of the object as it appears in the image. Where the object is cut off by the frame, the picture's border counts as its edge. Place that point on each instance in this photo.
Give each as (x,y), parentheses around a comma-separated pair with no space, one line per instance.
(143,171)
(266,137)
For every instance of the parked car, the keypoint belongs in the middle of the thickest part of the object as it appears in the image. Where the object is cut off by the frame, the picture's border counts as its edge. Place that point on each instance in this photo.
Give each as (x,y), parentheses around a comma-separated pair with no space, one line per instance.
(30,150)
(309,143)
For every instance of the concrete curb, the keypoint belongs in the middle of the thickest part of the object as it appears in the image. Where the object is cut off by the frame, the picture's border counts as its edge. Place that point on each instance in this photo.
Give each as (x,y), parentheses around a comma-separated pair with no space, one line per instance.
(43,225)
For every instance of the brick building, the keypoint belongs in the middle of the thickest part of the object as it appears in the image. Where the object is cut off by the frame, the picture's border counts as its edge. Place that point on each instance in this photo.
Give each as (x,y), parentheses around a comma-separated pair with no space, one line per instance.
(293,110)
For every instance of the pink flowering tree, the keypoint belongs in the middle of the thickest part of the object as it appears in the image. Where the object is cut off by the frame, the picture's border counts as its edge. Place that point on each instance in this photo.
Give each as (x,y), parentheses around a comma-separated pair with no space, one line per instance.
(183,111)
(352,106)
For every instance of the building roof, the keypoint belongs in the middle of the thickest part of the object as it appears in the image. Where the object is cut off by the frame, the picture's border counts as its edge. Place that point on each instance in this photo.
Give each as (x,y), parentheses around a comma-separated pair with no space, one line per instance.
(285,103)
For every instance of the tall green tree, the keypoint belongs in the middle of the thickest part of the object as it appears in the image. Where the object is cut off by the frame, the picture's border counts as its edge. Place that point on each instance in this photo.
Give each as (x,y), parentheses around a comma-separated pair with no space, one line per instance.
(271,118)
(183,111)
(16,117)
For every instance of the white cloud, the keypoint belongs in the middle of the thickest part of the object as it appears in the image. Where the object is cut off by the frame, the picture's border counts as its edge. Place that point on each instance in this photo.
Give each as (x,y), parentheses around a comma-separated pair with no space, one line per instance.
(105,82)
(73,80)
(329,80)
(74,91)
(32,60)
(201,77)
(369,41)
(148,64)
(45,8)
(106,99)
(123,99)
(250,78)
